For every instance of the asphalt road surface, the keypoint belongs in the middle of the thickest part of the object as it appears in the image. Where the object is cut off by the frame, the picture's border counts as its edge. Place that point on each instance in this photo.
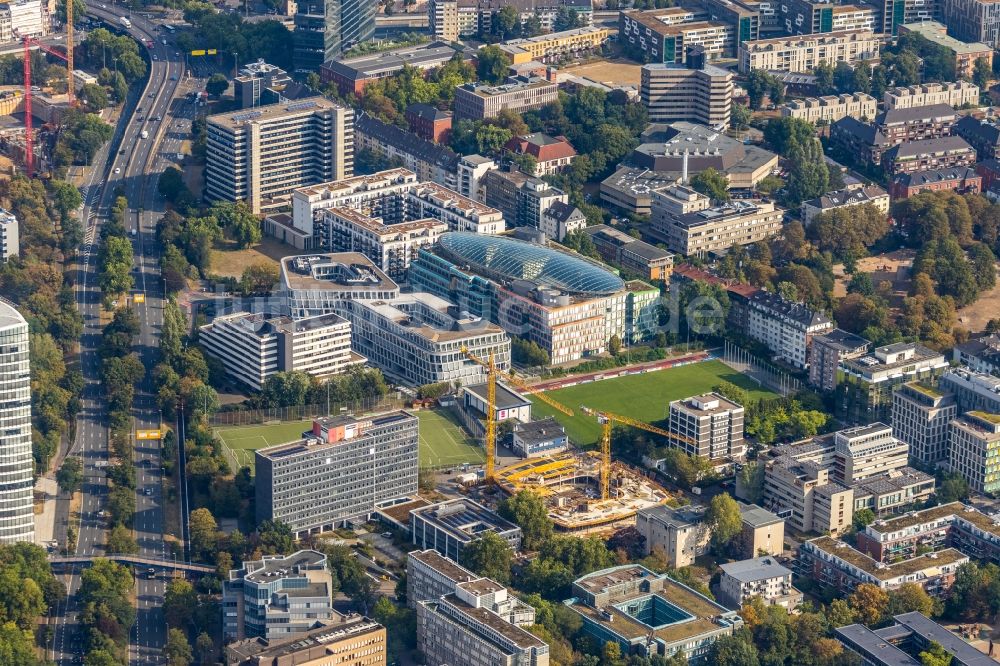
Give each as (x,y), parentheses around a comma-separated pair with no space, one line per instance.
(138,163)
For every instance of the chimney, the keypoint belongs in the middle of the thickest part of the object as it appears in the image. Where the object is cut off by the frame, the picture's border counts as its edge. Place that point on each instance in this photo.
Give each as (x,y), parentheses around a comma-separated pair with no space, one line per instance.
(684,168)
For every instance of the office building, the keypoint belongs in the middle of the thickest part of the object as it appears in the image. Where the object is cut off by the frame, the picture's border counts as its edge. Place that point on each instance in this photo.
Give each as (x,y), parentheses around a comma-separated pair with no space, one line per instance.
(947,152)
(900,644)
(484,101)
(953,525)
(973,20)
(259,83)
(973,391)
(679,535)
(920,417)
(561,218)
(417,338)
(630,254)
(523,199)
(852,196)
(555,46)
(641,610)
(703,94)
(965,53)
(428,122)
(449,526)
(954,94)
(566,304)
(431,161)
(277,596)
(761,533)
(831,108)
(865,383)
(16,462)
(827,351)
(341,469)
(261,156)
(708,426)
(758,577)
(958,179)
(802,53)
(252,347)
(786,327)
(713,231)
(750,17)
(974,450)
(350,640)
(552,153)
(24,18)
(317,284)
(836,564)
(351,75)
(539,438)
(10,243)
(325,30)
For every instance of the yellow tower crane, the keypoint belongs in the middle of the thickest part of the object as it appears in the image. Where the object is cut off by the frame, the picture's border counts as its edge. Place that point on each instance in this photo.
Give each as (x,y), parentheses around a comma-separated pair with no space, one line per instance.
(492,370)
(607,420)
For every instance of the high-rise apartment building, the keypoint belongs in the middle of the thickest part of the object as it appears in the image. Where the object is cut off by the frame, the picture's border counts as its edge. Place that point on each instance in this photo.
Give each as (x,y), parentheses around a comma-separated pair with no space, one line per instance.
(786,327)
(827,351)
(443,19)
(345,467)
(973,20)
(709,426)
(699,92)
(974,450)
(10,244)
(920,417)
(325,29)
(261,156)
(16,462)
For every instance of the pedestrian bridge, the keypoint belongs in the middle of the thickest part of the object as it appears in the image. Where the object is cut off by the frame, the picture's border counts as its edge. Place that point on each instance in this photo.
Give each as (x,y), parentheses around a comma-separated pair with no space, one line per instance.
(135,560)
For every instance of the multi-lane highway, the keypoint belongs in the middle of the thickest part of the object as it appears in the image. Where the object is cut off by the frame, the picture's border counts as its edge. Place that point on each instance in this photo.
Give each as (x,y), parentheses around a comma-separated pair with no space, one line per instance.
(131,163)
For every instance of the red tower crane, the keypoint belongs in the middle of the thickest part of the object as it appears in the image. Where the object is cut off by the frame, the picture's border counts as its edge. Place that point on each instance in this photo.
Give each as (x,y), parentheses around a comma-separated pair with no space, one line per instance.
(29,132)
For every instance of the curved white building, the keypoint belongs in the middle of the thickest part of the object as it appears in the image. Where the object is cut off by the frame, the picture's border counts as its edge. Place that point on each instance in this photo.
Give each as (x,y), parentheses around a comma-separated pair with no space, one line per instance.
(17,520)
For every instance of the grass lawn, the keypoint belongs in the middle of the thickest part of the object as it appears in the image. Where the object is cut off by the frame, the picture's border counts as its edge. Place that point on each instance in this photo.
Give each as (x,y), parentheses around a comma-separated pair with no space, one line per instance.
(444,442)
(244,440)
(645,397)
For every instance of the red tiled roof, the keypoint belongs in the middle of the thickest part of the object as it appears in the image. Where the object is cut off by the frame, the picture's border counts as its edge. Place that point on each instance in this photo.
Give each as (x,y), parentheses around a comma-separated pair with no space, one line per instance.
(543,148)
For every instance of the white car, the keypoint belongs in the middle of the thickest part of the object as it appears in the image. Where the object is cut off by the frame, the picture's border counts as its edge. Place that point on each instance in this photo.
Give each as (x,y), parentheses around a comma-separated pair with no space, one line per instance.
(118,170)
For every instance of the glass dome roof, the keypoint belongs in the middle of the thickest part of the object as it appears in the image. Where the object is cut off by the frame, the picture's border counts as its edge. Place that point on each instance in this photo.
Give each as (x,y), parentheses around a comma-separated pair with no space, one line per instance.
(508,258)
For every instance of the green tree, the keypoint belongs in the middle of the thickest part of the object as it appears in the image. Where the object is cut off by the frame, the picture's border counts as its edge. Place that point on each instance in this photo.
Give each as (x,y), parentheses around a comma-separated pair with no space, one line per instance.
(869,603)
(177,650)
(740,117)
(239,221)
(808,175)
(179,603)
(492,64)
(259,278)
(952,487)
(17,646)
(121,505)
(982,73)
(217,84)
(935,654)
(750,479)
(489,556)
(783,133)
(121,541)
(712,184)
(527,510)
(490,139)
(723,516)
(204,647)
(204,531)
(70,475)
(863,518)
(614,345)
(734,650)
(93,97)
(910,597)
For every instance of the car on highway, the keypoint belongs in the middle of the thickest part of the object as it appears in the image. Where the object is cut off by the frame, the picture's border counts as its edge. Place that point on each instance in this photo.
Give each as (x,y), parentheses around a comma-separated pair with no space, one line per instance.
(152,95)
(173,77)
(150,572)
(118,170)
(147,491)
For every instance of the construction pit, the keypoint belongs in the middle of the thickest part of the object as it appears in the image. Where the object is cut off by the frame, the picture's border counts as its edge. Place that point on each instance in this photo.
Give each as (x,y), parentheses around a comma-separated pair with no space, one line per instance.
(569,484)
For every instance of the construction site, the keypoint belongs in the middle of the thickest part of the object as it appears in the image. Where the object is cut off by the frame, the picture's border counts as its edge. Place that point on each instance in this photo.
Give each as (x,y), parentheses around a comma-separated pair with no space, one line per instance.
(570,485)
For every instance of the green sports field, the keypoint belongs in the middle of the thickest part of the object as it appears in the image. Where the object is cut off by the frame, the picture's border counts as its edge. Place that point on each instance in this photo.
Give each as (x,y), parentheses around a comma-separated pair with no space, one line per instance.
(444,442)
(244,440)
(644,397)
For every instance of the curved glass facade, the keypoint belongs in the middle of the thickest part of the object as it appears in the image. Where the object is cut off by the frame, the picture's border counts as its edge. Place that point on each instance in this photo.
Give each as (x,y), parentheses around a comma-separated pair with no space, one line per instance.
(511,259)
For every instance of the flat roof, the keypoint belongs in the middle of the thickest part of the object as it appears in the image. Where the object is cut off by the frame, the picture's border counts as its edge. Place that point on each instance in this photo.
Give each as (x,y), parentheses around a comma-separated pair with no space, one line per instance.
(334,272)
(270,112)
(860,637)
(883,571)
(938,33)
(331,633)
(506,398)
(522,638)
(276,566)
(758,568)
(445,566)
(965,654)
(464,519)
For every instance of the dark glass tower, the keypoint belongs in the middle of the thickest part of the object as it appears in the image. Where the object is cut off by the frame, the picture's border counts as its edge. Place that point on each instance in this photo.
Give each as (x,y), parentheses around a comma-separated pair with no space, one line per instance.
(325,29)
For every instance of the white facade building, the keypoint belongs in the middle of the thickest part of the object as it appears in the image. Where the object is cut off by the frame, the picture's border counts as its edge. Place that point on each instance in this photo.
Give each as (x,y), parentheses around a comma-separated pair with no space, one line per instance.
(784,326)
(17,516)
(10,243)
(759,577)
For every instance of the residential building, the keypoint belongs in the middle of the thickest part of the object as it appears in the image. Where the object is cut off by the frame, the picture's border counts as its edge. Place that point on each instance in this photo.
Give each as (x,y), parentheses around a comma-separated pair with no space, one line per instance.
(953,93)
(981,355)
(958,179)
(444,20)
(317,284)
(973,391)
(712,231)
(807,17)
(758,577)
(664,35)
(802,53)
(648,612)
(900,644)
(708,426)
(865,383)
(430,161)
(761,533)
(827,351)
(375,195)
(483,101)
(261,156)
(834,563)
(539,438)
(10,243)
(259,83)
(851,196)
(254,346)
(17,468)
(376,462)
(449,526)
(351,640)
(965,53)
(915,123)
(751,18)
(351,75)
(953,525)
(920,417)
(973,20)
(561,218)
(566,304)
(325,30)
(804,494)
(892,14)
(455,19)
(277,596)
(555,46)
(471,169)
(630,254)
(982,135)
(696,91)
(552,153)
(679,535)
(832,108)
(974,450)
(941,153)
(428,122)
(785,327)
(522,198)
